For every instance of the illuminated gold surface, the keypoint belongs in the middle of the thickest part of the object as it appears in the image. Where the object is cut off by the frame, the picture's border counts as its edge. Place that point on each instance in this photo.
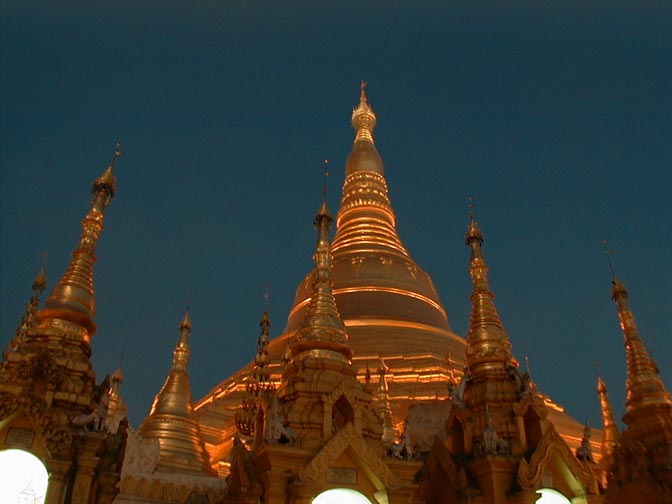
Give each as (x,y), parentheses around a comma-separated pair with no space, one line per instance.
(487,342)
(322,329)
(28,320)
(171,420)
(644,385)
(642,470)
(610,433)
(498,430)
(47,382)
(318,389)
(389,306)
(73,296)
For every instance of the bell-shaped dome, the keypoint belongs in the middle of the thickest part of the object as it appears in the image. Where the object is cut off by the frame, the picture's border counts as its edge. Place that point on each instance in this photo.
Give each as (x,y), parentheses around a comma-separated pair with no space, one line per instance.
(388,303)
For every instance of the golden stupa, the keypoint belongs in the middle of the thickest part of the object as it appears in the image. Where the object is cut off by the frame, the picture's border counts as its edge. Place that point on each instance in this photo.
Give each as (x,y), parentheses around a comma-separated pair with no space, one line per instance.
(389,305)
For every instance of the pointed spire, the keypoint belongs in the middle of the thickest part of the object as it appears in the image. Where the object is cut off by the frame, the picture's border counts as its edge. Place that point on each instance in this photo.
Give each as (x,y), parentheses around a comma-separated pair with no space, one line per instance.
(171,420)
(175,395)
(365,217)
(28,319)
(610,433)
(487,341)
(363,118)
(322,331)
(116,408)
(73,297)
(258,384)
(644,385)
(364,156)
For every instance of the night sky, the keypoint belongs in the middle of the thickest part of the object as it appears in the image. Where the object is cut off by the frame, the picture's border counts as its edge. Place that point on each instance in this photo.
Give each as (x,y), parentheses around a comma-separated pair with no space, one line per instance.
(555,116)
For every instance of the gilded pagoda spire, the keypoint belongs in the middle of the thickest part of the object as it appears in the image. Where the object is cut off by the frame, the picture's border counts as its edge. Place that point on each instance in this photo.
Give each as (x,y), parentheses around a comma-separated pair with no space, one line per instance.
(175,395)
(610,433)
(363,119)
(258,383)
(644,386)
(365,206)
(73,297)
(28,319)
(322,332)
(116,408)
(487,341)
(171,419)
(642,457)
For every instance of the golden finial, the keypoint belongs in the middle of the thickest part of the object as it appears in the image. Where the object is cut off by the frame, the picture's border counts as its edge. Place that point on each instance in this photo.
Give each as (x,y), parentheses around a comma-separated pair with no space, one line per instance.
(118,374)
(40,282)
(474,237)
(326,174)
(618,290)
(363,118)
(265,296)
(608,253)
(186,320)
(362,90)
(117,153)
(107,182)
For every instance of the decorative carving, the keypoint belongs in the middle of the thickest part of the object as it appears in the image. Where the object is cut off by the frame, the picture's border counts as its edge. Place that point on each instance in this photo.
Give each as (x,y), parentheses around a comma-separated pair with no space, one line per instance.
(530,473)
(141,455)
(8,404)
(585,452)
(55,432)
(425,421)
(276,431)
(316,469)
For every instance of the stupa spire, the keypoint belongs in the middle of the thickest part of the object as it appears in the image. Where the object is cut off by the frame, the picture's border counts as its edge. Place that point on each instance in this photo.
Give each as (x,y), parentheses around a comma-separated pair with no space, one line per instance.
(322,331)
(487,341)
(175,395)
(363,118)
(73,297)
(610,433)
(366,216)
(258,382)
(171,419)
(28,319)
(644,386)
(116,408)
(643,454)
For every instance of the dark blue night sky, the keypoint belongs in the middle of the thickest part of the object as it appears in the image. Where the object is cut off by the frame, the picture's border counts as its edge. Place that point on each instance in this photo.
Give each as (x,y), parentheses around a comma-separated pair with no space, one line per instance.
(556,118)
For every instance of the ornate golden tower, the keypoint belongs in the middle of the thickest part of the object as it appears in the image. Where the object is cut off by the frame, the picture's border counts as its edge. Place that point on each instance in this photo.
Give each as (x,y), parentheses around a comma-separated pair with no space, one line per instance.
(500,447)
(319,431)
(388,305)
(642,468)
(49,402)
(171,419)
(610,433)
